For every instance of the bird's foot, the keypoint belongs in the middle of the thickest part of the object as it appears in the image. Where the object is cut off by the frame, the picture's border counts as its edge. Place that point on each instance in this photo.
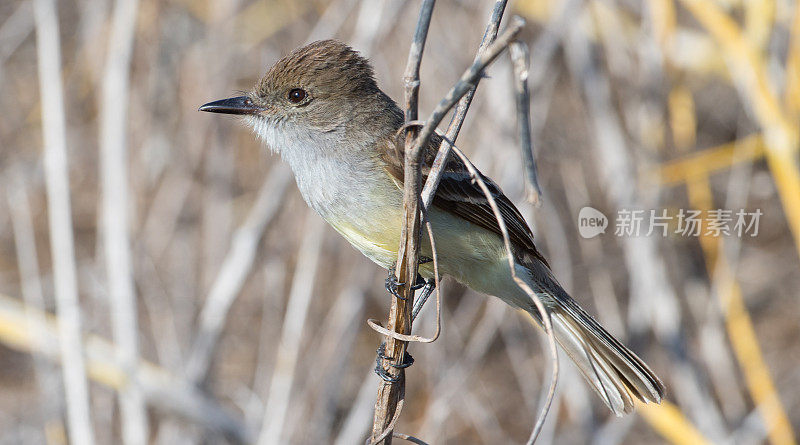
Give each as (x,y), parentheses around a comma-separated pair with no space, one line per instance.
(392,284)
(408,360)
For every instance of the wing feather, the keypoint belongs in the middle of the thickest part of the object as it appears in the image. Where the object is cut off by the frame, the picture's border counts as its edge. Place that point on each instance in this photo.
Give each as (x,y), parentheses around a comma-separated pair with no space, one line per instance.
(459,195)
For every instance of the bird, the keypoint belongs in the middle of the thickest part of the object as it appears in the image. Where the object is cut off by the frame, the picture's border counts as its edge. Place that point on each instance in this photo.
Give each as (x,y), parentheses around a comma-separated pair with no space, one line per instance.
(320,108)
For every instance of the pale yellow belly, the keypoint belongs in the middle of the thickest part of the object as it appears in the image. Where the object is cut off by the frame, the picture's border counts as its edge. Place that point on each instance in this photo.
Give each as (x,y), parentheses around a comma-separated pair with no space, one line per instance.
(469,253)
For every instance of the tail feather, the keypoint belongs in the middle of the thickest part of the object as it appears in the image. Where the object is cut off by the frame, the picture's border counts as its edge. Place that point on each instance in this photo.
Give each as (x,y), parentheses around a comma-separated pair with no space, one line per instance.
(614,371)
(596,371)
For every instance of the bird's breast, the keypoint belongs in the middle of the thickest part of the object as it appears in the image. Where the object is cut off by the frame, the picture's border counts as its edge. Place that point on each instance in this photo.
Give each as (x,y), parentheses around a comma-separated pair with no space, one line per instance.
(358,199)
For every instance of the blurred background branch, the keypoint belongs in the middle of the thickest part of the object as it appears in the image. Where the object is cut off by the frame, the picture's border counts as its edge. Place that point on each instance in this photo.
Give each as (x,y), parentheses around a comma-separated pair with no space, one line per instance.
(655,105)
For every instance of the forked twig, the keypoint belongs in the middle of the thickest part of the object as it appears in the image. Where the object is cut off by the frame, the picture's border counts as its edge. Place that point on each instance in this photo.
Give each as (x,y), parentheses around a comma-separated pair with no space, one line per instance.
(437,167)
(387,404)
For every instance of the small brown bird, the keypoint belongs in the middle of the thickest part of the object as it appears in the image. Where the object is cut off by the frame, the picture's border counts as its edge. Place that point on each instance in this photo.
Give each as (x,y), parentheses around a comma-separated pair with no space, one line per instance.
(321,109)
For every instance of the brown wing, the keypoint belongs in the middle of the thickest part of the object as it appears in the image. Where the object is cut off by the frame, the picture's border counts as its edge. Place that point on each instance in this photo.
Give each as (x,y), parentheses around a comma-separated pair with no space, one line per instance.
(459,195)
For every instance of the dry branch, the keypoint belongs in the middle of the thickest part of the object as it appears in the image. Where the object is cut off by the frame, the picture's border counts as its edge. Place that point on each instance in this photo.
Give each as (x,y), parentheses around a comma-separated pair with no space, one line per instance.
(234,272)
(467,81)
(161,389)
(60,221)
(388,402)
(519,57)
(437,167)
(115,204)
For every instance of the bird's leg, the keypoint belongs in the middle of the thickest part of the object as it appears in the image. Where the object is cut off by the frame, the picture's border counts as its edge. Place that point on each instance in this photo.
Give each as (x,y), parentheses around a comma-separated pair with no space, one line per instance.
(427,287)
(408,360)
(392,284)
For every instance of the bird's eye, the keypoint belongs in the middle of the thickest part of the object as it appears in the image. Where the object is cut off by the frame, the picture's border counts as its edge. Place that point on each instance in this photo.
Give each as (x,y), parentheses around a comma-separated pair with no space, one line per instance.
(297,95)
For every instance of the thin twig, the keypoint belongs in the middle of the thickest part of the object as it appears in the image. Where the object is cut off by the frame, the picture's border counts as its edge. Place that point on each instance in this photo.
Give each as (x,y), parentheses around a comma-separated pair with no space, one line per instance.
(462,93)
(519,57)
(30,279)
(162,390)
(387,404)
(60,221)
(443,154)
(409,246)
(548,327)
(289,343)
(467,81)
(234,271)
(437,167)
(116,238)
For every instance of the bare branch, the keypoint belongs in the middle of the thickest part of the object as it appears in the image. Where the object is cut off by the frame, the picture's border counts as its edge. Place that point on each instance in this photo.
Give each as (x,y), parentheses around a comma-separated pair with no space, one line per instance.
(519,57)
(467,81)
(115,204)
(60,221)
(234,271)
(387,405)
(435,175)
(548,327)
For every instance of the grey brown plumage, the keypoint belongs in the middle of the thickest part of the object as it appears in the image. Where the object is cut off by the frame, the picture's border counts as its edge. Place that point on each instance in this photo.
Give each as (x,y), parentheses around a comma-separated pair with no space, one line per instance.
(338,134)
(612,369)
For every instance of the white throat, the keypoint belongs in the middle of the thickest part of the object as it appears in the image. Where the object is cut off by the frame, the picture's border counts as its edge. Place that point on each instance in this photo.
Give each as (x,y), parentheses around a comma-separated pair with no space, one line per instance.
(333,180)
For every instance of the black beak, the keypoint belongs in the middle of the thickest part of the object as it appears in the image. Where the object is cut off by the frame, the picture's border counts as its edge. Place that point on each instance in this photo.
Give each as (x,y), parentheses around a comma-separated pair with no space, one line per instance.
(233,105)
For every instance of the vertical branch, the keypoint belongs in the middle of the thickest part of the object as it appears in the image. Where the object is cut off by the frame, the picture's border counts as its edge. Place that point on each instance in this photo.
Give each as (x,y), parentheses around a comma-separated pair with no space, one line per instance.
(288,354)
(386,404)
(115,203)
(28,263)
(519,58)
(400,314)
(60,221)
(234,272)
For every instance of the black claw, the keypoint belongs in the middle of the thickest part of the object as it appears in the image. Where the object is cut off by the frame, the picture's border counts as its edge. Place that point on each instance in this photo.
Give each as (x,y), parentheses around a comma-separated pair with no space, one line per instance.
(408,360)
(392,284)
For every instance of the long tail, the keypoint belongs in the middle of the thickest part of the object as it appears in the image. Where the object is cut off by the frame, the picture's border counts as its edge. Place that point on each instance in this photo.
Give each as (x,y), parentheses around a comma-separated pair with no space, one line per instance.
(613,370)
